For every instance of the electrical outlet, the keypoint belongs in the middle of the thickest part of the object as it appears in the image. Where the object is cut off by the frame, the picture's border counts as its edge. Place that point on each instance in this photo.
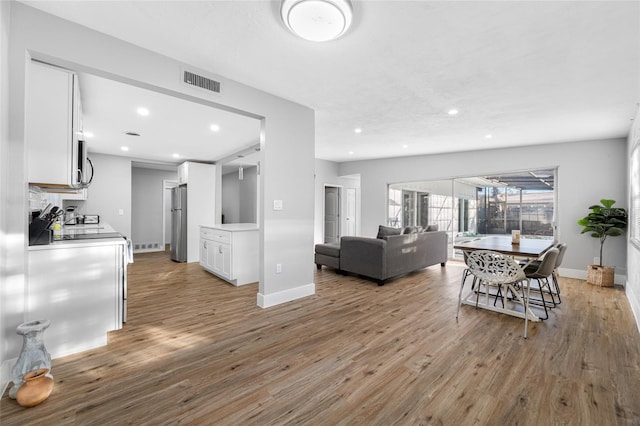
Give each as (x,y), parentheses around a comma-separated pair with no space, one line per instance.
(278,268)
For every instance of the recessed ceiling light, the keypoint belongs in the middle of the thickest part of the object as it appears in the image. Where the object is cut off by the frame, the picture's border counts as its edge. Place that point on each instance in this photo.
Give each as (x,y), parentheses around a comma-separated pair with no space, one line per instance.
(317,20)
(132,134)
(143,111)
(176,156)
(357,130)
(124,148)
(214,128)
(405,146)
(453,111)
(350,152)
(87,134)
(488,136)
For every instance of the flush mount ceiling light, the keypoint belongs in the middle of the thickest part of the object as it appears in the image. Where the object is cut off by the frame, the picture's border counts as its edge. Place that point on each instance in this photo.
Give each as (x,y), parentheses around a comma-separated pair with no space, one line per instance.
(317,20)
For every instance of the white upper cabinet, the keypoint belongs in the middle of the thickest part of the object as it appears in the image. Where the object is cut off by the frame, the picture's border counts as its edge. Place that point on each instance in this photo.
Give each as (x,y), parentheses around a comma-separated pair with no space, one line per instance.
(183,173)
(53,124)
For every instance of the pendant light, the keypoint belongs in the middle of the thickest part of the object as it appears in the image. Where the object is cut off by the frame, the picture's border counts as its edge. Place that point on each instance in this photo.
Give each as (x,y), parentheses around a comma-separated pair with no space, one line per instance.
(317,20)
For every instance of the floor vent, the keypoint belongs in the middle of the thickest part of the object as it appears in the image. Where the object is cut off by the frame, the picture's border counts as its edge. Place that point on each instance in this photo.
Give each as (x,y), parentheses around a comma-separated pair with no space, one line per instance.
(142,247)
(202,82)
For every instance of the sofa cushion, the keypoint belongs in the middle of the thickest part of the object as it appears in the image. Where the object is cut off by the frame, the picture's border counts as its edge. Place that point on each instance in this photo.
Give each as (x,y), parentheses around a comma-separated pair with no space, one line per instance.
(431,228)
(332,250)
(412,230)
(385,231)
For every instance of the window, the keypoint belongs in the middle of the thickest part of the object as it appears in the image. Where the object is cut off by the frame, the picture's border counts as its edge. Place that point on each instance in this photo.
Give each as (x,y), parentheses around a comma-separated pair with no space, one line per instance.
(479,205)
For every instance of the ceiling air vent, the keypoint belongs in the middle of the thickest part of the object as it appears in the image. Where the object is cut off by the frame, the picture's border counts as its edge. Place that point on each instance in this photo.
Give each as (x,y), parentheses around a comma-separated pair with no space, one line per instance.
(202,82)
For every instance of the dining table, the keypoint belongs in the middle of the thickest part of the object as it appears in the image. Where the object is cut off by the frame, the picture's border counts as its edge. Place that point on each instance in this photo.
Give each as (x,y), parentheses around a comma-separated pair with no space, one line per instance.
(530,249)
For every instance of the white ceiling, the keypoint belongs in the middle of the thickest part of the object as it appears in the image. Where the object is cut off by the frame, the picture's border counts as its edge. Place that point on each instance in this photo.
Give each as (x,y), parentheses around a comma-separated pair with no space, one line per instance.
(524,72)
(173,126)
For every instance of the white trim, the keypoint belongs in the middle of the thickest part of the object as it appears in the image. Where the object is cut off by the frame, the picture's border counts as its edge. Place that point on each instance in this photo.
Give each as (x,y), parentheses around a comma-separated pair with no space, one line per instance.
(581,274)
(635,307)
(268,300)
(5,374)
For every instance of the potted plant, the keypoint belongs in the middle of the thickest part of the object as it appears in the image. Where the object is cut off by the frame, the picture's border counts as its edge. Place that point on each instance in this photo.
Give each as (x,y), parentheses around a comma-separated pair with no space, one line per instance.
(603,221)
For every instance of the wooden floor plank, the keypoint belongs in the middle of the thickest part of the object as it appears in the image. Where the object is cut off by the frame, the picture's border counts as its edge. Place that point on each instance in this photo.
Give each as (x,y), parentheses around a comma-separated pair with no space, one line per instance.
(197,350)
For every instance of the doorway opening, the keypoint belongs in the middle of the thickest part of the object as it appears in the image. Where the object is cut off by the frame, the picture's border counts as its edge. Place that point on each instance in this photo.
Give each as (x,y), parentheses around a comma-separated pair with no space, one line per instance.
(332,197)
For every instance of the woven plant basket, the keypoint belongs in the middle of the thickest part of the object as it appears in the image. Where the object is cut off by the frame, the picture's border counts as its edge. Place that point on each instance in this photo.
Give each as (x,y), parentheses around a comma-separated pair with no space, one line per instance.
(600,275)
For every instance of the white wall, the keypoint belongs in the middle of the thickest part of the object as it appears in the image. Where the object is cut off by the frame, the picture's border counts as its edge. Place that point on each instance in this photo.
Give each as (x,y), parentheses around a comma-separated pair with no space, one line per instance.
(587,172)
(248,188)
(231,198)
(240,197)
(633,253)
(109,192)
(327,173)
(287,132)
(13,215)
(147,204)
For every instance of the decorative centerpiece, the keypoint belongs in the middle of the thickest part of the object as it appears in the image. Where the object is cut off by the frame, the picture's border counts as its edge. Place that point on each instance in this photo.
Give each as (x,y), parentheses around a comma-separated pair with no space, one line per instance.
(603,221)
(515,237)
(33,355)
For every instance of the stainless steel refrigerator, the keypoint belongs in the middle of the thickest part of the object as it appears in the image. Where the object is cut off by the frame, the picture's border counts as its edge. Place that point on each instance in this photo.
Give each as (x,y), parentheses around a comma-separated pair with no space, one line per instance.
(179,223)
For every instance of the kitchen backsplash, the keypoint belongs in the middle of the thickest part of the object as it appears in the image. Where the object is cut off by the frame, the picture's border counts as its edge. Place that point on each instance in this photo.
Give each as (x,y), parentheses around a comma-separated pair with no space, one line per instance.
(38,200)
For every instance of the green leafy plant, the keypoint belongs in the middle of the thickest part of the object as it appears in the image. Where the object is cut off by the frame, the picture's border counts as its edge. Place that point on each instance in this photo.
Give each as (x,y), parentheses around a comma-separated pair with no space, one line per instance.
(604,221)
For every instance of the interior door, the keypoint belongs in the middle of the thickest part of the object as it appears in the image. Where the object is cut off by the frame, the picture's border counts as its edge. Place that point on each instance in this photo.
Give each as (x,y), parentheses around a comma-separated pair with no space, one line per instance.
(351,212)
(331,214)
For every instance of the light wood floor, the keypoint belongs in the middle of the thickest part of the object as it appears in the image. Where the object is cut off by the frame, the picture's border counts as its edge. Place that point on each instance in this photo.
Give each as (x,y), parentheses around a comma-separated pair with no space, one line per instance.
(199,351)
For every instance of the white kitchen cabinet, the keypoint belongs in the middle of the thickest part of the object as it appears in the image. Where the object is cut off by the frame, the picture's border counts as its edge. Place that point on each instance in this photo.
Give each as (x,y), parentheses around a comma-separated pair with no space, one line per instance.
(230,251)
(80,288)
(215,256)
(183,173)
(52,127)
(200,179)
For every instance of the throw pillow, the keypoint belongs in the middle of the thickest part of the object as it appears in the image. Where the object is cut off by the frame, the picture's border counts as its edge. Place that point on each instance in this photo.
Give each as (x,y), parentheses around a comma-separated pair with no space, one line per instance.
(385,231)
(412,230)
(431,228)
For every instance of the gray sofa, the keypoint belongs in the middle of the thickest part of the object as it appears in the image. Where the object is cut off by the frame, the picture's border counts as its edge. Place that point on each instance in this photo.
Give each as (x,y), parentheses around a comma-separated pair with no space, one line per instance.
(385,257)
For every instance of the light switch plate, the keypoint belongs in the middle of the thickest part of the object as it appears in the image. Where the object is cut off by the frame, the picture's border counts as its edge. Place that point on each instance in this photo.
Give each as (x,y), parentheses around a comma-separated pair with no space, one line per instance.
(277,204)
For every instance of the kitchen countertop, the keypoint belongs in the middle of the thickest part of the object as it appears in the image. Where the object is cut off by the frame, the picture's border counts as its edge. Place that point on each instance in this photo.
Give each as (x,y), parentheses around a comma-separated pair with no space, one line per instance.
(234,227)
(83,235)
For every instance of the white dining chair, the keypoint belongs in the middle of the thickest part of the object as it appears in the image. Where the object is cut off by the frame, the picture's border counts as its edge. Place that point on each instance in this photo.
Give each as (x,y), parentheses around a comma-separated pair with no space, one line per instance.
(493,269)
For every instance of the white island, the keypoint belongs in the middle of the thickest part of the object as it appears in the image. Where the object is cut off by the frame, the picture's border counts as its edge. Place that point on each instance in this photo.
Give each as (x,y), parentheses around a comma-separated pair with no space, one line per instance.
(230,251)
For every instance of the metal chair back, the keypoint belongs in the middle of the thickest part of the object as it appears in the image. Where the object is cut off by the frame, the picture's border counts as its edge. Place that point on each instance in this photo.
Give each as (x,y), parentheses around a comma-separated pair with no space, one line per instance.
(495,268)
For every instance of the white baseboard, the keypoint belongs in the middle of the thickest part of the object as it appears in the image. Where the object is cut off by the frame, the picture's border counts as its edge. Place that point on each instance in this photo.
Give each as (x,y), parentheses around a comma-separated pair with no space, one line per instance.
(268,300)
(634,301)
(5,374)
(581,274)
